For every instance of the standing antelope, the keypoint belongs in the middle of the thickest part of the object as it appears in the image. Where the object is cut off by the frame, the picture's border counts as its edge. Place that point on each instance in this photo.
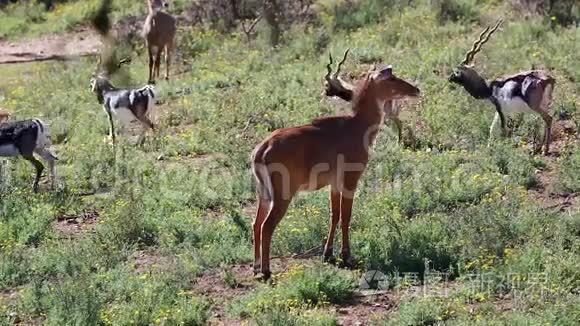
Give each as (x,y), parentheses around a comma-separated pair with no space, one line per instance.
(23,138)
(524,92)
(127,105)
(330,151)
(159,33)
(336,86)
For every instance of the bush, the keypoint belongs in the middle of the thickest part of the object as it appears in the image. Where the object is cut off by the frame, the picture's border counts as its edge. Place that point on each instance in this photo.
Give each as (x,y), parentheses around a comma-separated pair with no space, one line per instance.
(299,288)
(457,10)
(561,12)
(421,312)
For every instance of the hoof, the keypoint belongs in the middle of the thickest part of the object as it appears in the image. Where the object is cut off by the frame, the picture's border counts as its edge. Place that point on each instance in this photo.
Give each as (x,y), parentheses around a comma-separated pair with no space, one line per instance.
(263,276)
(256,270)
(546,152)
(151,82)
(329,259)
(347,263)
(108,140)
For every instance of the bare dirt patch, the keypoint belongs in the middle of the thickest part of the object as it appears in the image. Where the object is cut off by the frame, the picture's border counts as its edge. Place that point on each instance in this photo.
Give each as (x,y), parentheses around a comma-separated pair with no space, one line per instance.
(225,285)
(50,47)
(366,308)
(146,261)
(222,289)
(9,296)
(75,225)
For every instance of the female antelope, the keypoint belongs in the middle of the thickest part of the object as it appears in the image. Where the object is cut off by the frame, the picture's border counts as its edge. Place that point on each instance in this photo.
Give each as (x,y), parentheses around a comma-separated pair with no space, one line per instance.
(338,87)
(159,32)
(330,151)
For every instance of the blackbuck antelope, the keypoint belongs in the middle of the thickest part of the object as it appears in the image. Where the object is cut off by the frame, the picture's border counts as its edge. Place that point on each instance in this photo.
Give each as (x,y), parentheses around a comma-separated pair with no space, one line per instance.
(524,92)
(338,87)
(159,33)
(330,151)
(126,105)
(23,138)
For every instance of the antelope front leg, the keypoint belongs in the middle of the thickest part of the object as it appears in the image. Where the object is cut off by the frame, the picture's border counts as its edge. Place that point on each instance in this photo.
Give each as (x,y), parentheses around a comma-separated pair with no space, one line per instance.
(39,168)
(496,119)
(157,63)
(498,116)
(328,256)
(168,50)
(111,127)
(399,126)
(151,65)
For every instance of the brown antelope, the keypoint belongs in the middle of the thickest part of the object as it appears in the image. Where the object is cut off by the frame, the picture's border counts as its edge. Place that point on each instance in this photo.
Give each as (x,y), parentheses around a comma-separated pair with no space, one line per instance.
(330,151)
(524,92)
(4,116)
(336,86)
(159,33)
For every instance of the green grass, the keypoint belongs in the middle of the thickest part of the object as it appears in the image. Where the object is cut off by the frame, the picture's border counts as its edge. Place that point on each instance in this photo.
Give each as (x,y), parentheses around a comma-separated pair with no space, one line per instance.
(299,289)
(30,19)
(183,197)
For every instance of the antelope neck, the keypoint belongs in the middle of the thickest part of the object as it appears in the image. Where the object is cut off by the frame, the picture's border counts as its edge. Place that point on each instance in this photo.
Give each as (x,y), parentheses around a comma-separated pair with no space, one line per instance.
(102,88)
(477,87)
(367,109)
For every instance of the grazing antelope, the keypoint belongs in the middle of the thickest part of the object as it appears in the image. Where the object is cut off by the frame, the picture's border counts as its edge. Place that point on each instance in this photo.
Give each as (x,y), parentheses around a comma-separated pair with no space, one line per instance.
(524,92)
(159,33)
(126,105)
(330,151)
(23,138)
(336,86)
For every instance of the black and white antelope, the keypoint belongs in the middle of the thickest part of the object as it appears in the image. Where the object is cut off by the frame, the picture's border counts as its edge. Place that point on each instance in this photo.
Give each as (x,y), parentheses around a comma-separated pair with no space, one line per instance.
(24,138)
(125,105)
(524,92)
(338,87)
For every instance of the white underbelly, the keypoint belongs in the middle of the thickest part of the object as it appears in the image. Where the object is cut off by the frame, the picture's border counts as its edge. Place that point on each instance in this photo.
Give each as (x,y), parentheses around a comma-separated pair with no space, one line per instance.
(9,150)
(514,105)
(124,115)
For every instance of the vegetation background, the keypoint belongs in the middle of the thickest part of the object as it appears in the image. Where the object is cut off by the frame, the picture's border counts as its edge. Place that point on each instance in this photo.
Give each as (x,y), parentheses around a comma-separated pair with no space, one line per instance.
(162,234)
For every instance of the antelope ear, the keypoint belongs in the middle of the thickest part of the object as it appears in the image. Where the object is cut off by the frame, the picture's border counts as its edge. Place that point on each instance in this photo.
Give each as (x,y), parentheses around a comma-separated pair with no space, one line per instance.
(386,73)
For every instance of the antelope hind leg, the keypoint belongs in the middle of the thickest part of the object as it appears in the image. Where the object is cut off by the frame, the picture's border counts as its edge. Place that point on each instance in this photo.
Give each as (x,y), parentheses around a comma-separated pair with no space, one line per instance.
(328,255)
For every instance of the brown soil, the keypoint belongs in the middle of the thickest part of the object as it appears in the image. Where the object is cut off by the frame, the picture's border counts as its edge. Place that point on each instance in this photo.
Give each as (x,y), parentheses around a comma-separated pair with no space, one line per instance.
(50,47)
(362,310)
(75,225)
(150,262)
